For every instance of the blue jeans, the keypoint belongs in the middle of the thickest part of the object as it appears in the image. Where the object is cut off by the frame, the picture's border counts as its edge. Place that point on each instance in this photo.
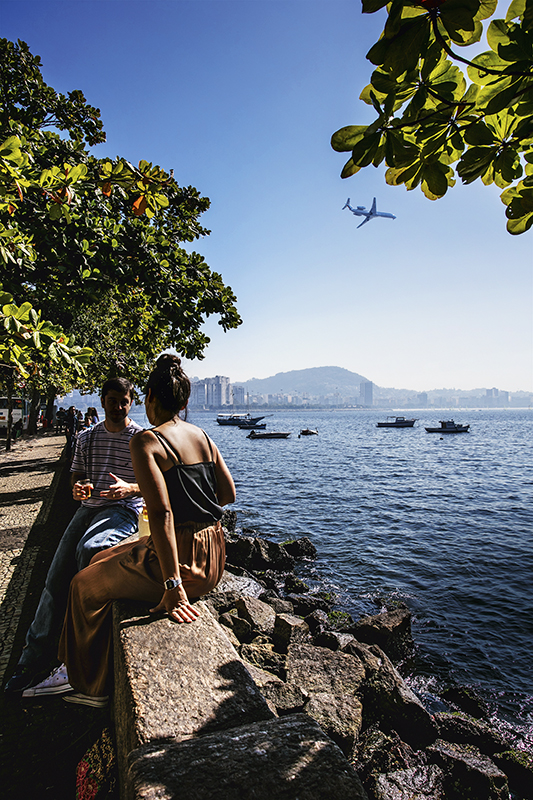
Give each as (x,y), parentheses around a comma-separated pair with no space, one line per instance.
(89,531)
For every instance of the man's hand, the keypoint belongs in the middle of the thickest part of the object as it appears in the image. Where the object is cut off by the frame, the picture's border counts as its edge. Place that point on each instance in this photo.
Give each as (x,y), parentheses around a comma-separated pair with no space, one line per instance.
(82,490)
(119,489)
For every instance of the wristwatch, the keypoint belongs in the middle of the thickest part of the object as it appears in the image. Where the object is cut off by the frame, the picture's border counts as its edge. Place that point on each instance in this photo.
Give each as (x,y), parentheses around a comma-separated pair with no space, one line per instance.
(172,583)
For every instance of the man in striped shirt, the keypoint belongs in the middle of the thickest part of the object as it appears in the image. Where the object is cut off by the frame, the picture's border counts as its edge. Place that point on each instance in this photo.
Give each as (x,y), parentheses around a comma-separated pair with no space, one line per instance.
(103,480)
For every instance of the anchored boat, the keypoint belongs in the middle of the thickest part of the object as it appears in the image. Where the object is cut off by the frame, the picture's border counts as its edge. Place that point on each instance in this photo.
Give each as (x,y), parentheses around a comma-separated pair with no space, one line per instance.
(238,419)
(396,422)
(449,426)
(268,435)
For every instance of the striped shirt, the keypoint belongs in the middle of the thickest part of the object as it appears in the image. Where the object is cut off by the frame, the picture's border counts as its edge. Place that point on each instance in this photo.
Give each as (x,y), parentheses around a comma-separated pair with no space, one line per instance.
(99,452)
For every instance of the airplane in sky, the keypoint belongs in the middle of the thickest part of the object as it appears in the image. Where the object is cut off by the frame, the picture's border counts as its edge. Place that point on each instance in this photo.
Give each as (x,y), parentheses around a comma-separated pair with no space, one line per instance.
(360,211)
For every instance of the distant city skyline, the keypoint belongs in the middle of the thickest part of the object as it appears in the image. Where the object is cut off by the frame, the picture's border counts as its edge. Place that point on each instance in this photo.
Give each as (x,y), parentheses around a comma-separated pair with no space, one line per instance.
(317,388)
(241,98)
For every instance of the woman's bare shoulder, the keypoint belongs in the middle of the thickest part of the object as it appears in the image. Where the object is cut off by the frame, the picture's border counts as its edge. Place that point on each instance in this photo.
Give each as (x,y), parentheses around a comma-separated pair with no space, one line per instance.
(143,439)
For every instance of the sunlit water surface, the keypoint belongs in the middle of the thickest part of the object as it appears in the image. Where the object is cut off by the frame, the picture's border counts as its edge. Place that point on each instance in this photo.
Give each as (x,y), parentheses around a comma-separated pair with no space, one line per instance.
(444,524)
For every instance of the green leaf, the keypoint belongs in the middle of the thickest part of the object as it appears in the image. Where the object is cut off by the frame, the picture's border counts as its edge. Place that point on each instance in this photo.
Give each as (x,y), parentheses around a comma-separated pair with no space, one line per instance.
(475,162)
(408,46)
(520,224)
(349,169)
(464,38)
(507,167)
(365,150)
(370,6)
(516,9)
(55,211)
(483,61)
(434,180)
(479,133)
(486,9)
(498,33)
(346,138)
(458,15)
(495,97)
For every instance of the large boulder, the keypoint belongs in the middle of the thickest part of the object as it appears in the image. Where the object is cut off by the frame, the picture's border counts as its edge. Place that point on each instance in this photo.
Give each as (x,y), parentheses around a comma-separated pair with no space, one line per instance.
(305,604)
(260,615)
(240,585)
(518,766)
(286,758)
(378,753)
(332,681)
(301,548)
(469,775)
(288,630)
(466,699)
(257,554)
(265,657)
(424,782)
(390,703)
(391,631)
(280,606)
(462,729)
(176,681)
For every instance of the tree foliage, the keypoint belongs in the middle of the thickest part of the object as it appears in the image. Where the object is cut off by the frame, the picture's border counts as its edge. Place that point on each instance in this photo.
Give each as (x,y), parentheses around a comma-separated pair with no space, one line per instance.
(29,344)
(96,244)
(433,121)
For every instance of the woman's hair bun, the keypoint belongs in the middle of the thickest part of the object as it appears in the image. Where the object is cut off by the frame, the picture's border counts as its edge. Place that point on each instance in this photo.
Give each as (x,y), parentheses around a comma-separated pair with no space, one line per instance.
(169,383)
(167,361)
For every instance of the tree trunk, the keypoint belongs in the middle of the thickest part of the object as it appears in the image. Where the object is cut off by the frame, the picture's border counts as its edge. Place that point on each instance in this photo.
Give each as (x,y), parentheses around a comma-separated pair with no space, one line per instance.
(9,412)
(34,411)
(51,394)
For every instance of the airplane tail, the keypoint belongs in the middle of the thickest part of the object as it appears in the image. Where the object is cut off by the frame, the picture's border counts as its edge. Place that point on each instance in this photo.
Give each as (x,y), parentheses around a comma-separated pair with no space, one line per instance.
(374,208)
(347,204)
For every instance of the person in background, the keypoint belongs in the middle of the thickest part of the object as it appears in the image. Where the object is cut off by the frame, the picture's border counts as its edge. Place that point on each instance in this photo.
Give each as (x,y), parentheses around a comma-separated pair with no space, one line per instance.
(184,482)
(61,418)
(71,427)
(104,481)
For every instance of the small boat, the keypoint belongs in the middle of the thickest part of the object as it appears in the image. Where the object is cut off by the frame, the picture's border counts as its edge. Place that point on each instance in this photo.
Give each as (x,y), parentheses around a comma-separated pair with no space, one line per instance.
(308,432)
(247,426)
(396,422)
(268,435)
(238,419)
(449,426)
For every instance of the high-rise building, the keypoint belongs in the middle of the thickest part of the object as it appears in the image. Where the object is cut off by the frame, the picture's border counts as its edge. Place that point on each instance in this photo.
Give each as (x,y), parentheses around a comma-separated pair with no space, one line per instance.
(237,393)
(211,392)
(366,393)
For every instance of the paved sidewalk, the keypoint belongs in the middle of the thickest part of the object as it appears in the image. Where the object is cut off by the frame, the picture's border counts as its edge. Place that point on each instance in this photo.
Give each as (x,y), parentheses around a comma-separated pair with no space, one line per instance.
(29,474)
(41,739)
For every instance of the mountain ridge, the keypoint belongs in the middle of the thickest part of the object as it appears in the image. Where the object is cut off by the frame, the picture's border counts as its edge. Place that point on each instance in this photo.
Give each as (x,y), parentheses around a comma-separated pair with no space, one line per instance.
(313,381)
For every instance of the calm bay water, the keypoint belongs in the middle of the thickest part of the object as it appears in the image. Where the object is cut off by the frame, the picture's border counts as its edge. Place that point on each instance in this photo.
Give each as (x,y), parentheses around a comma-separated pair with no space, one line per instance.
(444,524)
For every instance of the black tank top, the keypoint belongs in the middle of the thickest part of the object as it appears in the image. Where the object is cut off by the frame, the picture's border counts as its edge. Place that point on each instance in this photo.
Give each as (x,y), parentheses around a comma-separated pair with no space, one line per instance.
(191,487)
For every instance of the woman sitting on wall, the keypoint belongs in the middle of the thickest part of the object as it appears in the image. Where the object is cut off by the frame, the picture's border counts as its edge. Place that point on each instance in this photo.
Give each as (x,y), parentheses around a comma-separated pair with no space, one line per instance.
(185,483)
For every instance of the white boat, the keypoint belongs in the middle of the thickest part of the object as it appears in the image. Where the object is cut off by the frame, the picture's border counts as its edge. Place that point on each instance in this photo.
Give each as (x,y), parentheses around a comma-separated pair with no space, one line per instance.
(396,422)
(449,426)
(238,419)
(308,432)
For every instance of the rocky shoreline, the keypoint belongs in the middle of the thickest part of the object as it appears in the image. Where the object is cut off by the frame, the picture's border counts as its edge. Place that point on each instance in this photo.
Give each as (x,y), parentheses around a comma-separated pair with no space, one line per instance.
(307,657)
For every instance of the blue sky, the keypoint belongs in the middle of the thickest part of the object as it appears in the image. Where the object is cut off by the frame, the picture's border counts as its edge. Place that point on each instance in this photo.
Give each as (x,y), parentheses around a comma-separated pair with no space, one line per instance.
(240,98)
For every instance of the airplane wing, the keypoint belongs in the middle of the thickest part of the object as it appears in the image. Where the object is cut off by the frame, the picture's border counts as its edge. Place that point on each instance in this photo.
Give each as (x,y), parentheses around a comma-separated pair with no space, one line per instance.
(367,219)
(373,209)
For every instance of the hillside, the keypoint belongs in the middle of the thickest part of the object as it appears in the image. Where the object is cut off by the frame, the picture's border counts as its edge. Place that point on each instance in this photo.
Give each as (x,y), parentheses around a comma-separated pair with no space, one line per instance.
(315,381)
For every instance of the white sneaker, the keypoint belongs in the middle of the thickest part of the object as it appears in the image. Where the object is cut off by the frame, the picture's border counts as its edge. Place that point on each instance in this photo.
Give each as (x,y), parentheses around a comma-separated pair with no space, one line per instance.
(56,683)
(87,700)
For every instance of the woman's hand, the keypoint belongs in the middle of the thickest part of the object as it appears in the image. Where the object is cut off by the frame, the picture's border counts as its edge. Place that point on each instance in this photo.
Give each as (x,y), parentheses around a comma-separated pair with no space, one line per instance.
(176,603)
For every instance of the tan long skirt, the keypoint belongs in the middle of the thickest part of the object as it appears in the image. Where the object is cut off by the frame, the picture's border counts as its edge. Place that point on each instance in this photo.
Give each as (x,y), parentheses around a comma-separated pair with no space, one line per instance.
(129,571)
